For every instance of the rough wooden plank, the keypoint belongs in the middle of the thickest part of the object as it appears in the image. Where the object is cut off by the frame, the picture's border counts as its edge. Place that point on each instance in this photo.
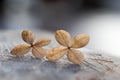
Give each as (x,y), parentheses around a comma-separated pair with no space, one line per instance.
(96,66)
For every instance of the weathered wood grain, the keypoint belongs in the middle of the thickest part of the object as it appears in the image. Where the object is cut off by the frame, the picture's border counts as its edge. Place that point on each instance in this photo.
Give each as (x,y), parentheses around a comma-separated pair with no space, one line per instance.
(96,66)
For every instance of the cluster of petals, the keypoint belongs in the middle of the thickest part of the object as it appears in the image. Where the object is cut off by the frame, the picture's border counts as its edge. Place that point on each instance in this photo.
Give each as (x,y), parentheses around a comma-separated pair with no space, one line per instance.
(68,47)
(37,50)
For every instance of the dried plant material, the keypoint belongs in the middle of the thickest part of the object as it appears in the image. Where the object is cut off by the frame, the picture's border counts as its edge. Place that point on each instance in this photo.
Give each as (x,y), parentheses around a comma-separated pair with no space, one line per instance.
(42,42)
(63,37)
(20,49)
(75,56)
(28,36)
(80,40)
(37,51)
(56,53)
(69,44)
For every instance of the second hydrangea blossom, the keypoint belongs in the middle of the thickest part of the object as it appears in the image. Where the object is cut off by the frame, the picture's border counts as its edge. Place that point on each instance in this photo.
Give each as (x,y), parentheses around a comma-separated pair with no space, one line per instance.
(68,46)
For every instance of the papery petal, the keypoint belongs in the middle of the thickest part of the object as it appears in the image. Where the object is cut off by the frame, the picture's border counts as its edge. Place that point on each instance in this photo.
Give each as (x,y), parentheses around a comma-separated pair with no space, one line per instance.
(42,42)
(75,56)
(28,36)
(56,53)
(20,49)
(80,41)
(38,52)
(63,38)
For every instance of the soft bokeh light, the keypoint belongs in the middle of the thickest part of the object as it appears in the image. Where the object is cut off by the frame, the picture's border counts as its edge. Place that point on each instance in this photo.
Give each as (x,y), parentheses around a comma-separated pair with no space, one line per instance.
(99,18)
(104,30)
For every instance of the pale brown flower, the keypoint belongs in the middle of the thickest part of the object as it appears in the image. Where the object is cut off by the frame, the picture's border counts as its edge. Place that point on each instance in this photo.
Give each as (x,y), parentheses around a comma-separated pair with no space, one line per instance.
(37,50)
(68,46)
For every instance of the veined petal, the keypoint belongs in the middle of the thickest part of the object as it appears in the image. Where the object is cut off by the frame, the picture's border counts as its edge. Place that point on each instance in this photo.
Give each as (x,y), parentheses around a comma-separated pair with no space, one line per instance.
(20,49)
(75,56)
(28,36)
(42,42)
(80,41)
(63,38)
(56,53)
(38,52)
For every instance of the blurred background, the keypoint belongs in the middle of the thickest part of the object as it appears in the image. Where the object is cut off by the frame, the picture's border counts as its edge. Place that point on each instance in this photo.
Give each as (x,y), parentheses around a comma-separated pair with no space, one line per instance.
(99,18)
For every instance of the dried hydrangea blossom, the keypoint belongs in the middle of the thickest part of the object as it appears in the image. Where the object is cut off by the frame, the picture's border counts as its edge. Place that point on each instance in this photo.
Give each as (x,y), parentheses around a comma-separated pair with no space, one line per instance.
(68,46)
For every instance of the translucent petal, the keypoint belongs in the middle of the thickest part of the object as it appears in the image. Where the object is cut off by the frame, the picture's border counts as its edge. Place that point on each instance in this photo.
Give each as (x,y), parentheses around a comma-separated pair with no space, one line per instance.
(39,52)
(75,56)
(42,42)
(80,41)
(63,38)
(56,53)
(20,49)
(28,36)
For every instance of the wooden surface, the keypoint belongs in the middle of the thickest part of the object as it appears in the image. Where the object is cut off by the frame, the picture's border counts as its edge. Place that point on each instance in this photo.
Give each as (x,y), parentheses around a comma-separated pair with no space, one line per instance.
(96,66)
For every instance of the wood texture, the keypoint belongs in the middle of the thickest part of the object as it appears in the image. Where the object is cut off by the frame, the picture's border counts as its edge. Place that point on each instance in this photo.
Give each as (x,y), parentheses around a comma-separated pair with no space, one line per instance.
(96,66)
